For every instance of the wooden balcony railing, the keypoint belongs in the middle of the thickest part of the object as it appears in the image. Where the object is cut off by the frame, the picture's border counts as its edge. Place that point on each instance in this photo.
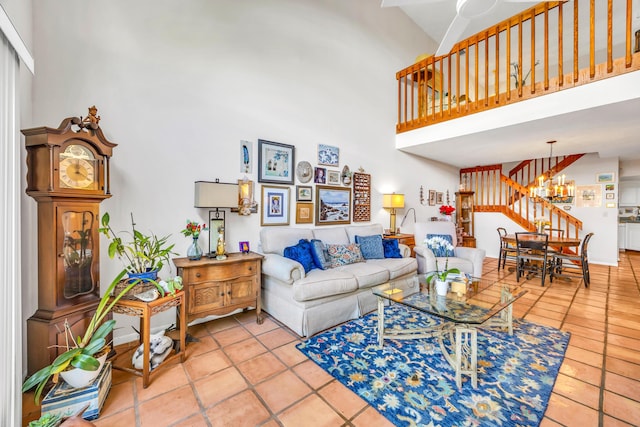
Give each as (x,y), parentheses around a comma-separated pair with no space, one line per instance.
(496,192)
(520,58)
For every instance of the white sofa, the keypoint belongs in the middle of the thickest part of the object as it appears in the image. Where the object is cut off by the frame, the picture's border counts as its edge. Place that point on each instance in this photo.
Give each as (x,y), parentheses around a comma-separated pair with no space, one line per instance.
(467,260)
(311,302)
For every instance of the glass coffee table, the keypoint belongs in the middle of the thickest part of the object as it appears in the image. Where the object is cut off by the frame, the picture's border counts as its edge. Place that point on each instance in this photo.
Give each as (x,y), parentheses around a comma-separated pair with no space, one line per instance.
(475,303)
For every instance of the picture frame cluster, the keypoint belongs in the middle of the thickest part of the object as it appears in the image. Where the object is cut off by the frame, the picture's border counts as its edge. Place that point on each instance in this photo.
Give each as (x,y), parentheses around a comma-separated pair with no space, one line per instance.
(277,165)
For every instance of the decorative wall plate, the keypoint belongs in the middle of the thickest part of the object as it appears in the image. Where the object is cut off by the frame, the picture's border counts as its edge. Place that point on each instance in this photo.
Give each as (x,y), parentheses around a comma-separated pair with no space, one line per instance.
(304,171)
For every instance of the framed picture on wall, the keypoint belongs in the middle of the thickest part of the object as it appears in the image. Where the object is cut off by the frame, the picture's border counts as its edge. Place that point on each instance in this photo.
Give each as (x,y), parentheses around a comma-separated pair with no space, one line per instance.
(246,156)
(328,155)
(304,193)
(275,205)
(432,197)
(304,213)
(333,177)
(439,198)
(605,177)
(333,205)
(275,162)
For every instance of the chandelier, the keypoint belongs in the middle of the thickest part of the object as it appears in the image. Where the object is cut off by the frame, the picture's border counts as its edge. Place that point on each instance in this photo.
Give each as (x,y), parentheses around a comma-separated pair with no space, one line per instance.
(557,190)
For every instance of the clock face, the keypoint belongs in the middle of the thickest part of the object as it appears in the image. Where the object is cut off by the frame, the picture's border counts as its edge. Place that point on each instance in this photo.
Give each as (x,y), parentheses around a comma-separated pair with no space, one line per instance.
(77,168)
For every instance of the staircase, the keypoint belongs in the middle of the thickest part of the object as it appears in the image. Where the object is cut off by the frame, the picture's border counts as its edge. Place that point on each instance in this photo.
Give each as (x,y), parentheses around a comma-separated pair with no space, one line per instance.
(509,195)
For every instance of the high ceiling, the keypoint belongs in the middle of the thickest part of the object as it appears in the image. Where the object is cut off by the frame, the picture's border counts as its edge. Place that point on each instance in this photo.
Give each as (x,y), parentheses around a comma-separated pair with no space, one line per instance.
(610,128)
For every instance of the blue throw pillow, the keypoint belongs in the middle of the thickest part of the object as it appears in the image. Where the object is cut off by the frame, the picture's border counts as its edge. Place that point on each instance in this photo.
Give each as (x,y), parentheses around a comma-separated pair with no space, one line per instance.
(391,248)
(301,253)
(371,246)
(440,244)
(320,255)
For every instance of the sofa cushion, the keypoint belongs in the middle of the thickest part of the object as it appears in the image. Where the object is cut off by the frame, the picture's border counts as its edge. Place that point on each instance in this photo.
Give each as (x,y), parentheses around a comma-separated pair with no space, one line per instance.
(367,273)
(301,253)
(344,254)
(391,248)
(440,244)
(397,267)
(331,235)
(324,283)
(464,265)
(320,254)
(371,246)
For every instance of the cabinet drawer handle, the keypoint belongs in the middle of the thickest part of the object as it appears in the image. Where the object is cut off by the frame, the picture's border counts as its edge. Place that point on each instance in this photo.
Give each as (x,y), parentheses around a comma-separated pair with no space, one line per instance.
(198,274)
(228,292)
(250,268)
(222,294)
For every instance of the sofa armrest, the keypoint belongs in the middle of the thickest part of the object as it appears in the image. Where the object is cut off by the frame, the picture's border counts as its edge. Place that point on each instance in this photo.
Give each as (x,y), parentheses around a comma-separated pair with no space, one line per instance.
(475,255)
(281,268)
(405,250)
(426,259)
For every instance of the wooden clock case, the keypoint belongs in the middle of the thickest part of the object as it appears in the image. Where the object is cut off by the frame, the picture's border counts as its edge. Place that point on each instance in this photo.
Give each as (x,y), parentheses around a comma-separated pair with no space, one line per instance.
(68,238)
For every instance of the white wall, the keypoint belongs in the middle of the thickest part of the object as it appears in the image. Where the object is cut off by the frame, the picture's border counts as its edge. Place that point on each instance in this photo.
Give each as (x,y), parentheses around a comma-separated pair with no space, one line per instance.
(603,221)
(179,84)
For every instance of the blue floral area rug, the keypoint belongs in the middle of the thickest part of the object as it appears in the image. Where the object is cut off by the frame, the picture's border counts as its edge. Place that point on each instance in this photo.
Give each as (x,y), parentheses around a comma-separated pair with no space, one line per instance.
(411,383)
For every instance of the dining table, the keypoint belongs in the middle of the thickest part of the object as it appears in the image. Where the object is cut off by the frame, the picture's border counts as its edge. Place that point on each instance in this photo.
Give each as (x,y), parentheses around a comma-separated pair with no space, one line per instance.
(557,241)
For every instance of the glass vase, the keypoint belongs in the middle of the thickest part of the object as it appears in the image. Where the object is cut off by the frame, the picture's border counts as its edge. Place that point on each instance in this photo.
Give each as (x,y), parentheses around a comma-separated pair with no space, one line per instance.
(194,252)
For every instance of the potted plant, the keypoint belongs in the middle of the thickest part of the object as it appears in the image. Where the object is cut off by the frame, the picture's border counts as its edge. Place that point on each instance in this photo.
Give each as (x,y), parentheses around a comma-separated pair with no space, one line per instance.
(440,246)
(81,352)
(143,256)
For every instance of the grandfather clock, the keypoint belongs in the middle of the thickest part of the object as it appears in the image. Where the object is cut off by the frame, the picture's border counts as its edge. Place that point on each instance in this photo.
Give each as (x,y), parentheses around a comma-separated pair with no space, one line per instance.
(68,176)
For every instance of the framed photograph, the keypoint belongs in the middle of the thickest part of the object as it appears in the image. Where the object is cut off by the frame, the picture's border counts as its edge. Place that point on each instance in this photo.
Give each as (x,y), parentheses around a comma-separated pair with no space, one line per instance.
(439,198)
(320,176)
(610,187)
(328,155)
(333,205)
(275,205)
(246,156)
(244,247)
(432,197)
(304,213)
(216,226)
(333,177)
(610,196)
(605,177)
(276,162)
(304,193)
(588,196)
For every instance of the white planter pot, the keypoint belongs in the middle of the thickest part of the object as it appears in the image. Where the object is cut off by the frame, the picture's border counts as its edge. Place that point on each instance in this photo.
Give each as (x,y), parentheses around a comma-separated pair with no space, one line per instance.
(79,378)
(442,287)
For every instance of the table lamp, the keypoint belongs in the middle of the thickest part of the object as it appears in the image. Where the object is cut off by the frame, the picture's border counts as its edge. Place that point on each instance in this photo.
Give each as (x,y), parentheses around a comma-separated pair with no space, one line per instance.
(392,202)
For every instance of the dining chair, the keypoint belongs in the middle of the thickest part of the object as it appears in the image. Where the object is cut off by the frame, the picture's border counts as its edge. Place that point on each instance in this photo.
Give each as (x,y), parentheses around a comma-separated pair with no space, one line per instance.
(566,265)
(507,250)
(532,256)
(558,232)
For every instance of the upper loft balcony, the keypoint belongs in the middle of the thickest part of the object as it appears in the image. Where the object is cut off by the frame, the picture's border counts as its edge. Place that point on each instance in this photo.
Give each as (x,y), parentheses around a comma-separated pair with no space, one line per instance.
(565,71)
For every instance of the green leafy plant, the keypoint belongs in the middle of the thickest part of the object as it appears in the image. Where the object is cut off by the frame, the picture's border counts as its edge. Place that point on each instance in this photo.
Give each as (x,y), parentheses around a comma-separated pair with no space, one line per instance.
(49,419)
(142,253)
(80,351)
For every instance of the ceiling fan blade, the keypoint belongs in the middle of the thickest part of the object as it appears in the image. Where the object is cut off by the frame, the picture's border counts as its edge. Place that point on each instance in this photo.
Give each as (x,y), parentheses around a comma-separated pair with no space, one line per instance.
(393,3)
(453,34)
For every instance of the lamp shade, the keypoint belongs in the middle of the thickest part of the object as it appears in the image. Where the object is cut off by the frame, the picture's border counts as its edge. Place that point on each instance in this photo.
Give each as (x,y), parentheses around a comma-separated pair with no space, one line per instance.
(215,195)
(393,201)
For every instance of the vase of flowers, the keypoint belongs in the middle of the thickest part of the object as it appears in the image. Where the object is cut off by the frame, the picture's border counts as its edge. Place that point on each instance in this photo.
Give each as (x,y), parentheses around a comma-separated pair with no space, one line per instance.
(447,211)
(193,229)
(440,246)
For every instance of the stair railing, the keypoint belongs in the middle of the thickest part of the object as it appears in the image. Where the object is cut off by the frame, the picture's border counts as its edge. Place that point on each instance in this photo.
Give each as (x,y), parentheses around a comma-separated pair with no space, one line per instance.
(520,58)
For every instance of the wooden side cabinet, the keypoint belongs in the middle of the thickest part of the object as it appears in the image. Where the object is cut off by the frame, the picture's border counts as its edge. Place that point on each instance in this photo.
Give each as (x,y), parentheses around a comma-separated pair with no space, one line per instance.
(219,287)
(465,219)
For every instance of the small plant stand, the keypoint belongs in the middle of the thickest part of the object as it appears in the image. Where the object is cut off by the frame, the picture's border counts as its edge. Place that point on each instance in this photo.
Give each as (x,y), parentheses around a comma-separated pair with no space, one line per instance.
(144,310)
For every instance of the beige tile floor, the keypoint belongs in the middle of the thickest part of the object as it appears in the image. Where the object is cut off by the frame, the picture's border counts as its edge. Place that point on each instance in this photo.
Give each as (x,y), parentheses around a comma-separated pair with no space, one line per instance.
(245,374)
